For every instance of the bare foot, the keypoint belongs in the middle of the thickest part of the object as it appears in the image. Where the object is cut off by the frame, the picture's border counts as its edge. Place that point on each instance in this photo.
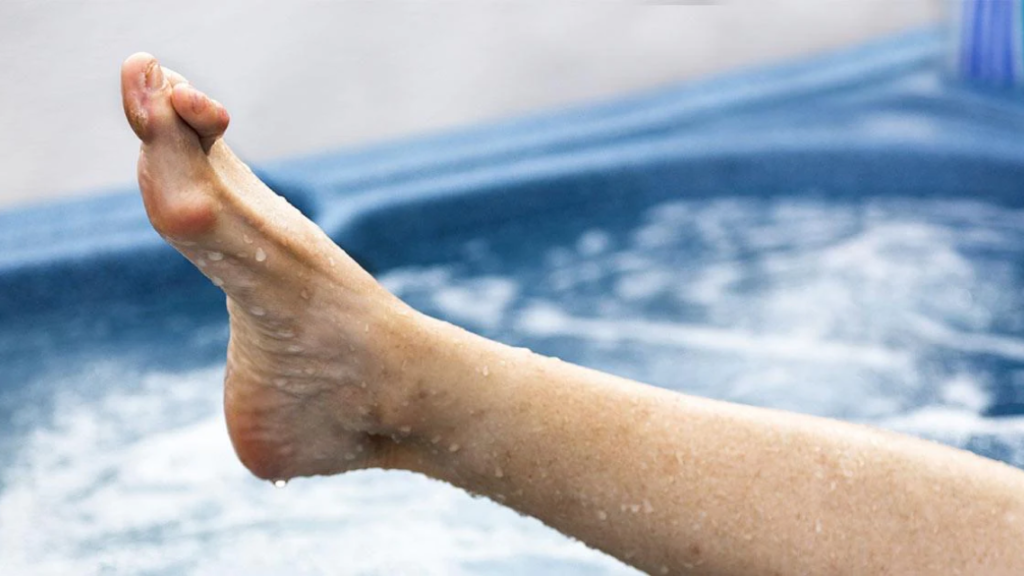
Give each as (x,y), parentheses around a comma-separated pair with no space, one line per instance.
(314,381)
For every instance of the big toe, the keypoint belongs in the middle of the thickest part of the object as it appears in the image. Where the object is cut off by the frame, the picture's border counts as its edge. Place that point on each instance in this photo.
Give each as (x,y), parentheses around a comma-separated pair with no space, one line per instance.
(145,92)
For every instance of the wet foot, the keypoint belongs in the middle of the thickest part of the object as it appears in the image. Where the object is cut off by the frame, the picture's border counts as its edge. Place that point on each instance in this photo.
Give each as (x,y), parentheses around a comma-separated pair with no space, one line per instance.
(312,375)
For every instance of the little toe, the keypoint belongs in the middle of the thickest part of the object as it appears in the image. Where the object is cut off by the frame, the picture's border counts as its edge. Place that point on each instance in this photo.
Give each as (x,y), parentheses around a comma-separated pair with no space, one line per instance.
(205,115)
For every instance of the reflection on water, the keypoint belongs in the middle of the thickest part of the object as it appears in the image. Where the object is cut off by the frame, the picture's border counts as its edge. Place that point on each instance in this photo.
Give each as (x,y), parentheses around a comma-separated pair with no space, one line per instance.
(903,313)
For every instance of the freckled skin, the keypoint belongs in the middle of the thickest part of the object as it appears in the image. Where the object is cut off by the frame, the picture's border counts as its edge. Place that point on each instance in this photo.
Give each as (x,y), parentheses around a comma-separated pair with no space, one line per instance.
(327,372)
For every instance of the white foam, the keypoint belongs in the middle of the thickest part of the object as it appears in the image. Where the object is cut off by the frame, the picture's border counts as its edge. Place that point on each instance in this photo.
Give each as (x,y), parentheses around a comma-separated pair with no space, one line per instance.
(118,483)
(481,301)
(547,320)
(593,242)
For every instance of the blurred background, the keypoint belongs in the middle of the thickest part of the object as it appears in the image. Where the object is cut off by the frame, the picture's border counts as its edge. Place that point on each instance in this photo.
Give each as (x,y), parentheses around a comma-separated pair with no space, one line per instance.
(307,75)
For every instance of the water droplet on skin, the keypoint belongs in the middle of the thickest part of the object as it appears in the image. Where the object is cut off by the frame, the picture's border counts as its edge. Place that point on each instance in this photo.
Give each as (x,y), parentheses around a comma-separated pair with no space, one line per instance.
(817,526)
(647,507)
(201,263)
(359,448)
(664,569)
(331,262)
(498,472)
(435,439)
(280,484)
(304,294)
(260,255)
(215,256)
(366,328)
(257,311)
(486,371)
(280,381)
(309,371)
(246,239)
(634,508)
(453,448)
(350,456)
(218,282)
(405,429)
(602,515)
(294,348)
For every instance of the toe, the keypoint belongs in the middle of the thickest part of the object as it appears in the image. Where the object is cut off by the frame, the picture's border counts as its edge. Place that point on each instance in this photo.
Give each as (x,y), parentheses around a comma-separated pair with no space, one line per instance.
(205,115)
(173,77)
(145,92)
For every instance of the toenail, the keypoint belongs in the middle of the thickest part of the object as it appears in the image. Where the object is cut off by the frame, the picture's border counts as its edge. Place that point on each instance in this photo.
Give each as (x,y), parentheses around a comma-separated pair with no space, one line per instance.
(154,76)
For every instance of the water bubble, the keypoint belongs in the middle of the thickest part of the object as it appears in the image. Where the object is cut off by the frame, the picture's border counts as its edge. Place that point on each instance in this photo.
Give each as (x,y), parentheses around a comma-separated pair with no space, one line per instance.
(280,483)
(215,256)
(453,448)
(246,239)
(260,255)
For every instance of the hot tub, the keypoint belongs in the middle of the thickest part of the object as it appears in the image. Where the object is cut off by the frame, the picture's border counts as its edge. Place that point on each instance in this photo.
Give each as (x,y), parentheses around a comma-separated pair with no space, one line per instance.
(840,237)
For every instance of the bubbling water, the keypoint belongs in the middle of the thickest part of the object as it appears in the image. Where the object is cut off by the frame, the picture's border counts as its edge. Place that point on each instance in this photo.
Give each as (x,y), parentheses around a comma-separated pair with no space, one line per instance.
(900,313)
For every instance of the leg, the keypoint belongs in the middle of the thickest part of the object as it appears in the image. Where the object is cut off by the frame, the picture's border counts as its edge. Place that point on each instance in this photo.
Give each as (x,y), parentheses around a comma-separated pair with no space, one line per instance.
(327,372)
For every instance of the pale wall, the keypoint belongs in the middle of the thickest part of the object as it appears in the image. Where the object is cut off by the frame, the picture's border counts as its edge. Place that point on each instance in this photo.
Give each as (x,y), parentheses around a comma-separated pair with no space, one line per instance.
(303,76)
